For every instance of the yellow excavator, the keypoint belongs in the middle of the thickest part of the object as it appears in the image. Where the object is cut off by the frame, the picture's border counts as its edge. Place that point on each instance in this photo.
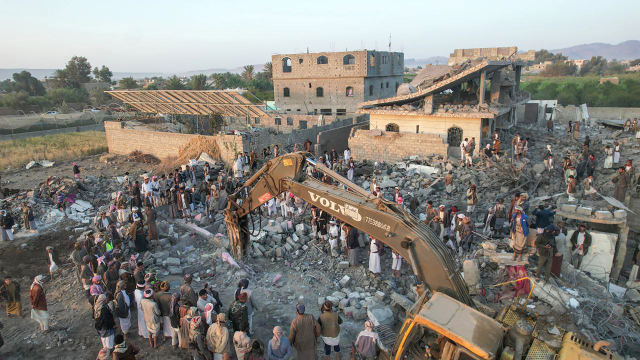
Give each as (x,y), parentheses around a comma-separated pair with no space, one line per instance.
(445,322)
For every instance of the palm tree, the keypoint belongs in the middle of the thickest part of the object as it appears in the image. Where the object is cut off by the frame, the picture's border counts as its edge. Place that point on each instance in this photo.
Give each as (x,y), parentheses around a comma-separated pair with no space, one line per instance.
(268,68)
(174,83)
(199,82)
(61,79)
(247,74)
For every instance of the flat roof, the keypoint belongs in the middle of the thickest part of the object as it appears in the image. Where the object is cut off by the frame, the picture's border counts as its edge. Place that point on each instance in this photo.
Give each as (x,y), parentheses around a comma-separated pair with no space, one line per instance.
(473,72)
(190,102)
(465,326)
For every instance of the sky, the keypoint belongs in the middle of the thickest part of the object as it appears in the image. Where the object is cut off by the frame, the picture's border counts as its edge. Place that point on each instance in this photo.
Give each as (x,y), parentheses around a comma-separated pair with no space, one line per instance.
(179,36)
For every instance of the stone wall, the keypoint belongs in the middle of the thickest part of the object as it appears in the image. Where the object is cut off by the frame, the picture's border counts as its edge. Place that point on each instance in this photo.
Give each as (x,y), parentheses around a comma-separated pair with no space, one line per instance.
(337,138)
(266,137)
(289,122)
(429,124)
(163,144)
(564,114)
(381,146)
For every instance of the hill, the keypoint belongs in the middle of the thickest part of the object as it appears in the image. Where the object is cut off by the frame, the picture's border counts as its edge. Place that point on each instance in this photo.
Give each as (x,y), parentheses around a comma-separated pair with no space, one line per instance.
(412,63)
(628,50)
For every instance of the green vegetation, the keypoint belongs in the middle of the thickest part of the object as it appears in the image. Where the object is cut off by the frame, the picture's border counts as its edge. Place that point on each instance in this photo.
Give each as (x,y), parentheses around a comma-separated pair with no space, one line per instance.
(58,147)
(23,81)
(580,90)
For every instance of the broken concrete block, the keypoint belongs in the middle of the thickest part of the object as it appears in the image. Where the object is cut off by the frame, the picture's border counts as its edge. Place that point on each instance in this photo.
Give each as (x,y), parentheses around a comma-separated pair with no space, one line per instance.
(488,245)
(343,265)
(620,214)
(279,252)
(339,295)
(354,295)
(380,295)
(401,300)
(568,208)
(174,270)
(380,315)
(343,303)
(349,311)
(538,168)
(361,314)
(173,261)
(603,214)
(471,272)
(334,300)
(345,280)
(161,255)
(585,211)
(321,301)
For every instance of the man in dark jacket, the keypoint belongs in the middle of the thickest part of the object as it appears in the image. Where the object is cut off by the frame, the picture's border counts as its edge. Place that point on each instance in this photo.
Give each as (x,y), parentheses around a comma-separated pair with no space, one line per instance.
(546,245)
(543,217)
(352,245)
(580,243)
(239,314)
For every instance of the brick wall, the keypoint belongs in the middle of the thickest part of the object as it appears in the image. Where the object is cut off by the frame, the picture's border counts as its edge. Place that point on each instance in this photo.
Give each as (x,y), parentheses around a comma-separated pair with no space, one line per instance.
(381,146)
(163,144)
(337,138)
(289,122)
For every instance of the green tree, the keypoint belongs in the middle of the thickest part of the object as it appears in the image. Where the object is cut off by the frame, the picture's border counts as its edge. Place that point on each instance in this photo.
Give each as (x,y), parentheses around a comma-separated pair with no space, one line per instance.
(77,71)
(596,65)
(559,69)
(174,83)
(219,81)
(216,122)
(268,69)
(6,86)
(247,74)
(634,62)
(15,100)
(544,55)
(25,82)
(61,79)
(128,83)
(103,74)
(152,86)
(56,97)
(98,96)
(199,82)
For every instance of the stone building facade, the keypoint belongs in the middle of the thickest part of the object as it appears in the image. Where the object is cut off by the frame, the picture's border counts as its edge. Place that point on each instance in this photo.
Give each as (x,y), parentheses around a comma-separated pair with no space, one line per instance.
(497,53)
(334,83)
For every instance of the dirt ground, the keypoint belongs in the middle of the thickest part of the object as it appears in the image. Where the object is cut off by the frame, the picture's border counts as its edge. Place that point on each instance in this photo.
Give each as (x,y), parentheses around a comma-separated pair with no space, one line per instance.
(72,332)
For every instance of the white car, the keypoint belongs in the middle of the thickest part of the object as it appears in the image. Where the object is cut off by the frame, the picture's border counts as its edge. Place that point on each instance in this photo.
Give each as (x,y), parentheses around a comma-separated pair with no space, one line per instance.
(51,113)
(91,110)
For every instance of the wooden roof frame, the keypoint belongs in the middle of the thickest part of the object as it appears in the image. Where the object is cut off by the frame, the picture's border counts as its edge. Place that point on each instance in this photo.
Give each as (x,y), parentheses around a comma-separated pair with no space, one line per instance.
(190,102)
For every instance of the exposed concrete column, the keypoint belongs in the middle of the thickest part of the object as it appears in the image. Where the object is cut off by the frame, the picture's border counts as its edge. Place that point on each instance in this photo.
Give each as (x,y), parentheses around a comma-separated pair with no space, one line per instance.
(518,77)
(496,82)
(483,78)
(621,251)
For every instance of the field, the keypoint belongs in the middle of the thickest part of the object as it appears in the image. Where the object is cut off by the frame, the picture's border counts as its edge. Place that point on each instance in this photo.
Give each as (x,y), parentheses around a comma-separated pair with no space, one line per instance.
(58,147)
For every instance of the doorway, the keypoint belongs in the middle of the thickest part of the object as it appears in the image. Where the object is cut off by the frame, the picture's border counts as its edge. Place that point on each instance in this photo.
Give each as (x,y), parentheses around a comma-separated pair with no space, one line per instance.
(454,136)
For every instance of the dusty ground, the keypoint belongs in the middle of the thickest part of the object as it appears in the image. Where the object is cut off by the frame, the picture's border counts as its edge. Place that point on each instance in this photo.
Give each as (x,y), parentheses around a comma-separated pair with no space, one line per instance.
(73,334)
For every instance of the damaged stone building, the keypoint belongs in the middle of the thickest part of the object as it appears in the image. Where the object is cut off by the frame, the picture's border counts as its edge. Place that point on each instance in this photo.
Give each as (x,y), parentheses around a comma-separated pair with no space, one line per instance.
(334,83)
(442,106)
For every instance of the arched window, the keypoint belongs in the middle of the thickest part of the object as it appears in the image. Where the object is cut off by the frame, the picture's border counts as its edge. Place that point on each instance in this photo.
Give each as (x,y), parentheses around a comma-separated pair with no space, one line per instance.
(372,60)
(285,92)
(454,136)
(381,86)
(392,127)
(322,60)
(319,92)
(349,91)
(386,85)
(286,64)
(397,85)
(348,59)
(370,90)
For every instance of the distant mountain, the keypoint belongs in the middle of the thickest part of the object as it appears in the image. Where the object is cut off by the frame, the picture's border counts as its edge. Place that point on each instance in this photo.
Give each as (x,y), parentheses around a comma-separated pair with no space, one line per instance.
(413,63)
(628,50)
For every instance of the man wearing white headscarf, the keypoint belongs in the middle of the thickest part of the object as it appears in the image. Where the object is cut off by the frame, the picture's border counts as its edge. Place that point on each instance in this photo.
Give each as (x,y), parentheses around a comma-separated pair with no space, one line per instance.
(279,347)
(39,311)
(139,296)
(123,304)
(368,341)
(151,317)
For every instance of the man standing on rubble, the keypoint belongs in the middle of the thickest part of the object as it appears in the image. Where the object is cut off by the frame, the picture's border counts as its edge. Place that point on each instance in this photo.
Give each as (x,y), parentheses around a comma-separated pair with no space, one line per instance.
(304,333)
(580,243)
(186,291)
(6,222)
(622,183)
(519,232)
(546,245)
(472,200)
(543,217)
(448,184)
(352,245)
(514,144)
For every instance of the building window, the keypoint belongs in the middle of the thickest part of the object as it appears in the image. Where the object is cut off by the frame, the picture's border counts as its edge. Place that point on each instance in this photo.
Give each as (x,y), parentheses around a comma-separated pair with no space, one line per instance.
(256,121)
(349,91)
(341,111)
(348,59)
(392,127)
(384,59)
(400,61)
(302,124)
(278,121)
(381,86)
(309,85)
(386,85)
(286,65)
(285,92)
(417,129)
(289,121)
(372,60)
(397,86)
(370,90)
(326,111)
(300,61)
(322,60)
(319,92)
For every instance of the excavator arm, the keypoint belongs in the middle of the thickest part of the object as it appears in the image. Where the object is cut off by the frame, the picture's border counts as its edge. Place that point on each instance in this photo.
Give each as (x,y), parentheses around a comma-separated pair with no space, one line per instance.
(413,240)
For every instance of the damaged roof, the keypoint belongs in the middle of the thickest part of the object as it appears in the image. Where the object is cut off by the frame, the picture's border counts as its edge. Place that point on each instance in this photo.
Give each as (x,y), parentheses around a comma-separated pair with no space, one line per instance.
(462,76)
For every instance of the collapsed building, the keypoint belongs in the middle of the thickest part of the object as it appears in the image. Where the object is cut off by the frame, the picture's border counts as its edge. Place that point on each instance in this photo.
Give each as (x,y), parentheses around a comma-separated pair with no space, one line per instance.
(441,107)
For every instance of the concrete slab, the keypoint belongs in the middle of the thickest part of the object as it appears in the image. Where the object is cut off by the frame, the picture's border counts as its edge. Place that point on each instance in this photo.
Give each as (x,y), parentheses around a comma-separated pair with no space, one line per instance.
(599,259)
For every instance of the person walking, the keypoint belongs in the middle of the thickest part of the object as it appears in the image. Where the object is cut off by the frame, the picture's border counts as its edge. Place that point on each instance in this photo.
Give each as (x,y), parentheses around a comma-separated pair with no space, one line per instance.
(330,329)
(519,232)
(39,310)
(304,333)
(278,347)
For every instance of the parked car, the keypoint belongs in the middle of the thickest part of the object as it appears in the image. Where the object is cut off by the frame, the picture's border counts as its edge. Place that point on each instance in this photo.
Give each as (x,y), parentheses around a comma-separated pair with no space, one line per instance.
(52,113)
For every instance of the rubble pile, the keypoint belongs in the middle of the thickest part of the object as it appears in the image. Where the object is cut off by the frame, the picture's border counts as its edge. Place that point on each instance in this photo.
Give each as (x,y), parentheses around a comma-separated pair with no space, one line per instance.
(196,146)
(139,156)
